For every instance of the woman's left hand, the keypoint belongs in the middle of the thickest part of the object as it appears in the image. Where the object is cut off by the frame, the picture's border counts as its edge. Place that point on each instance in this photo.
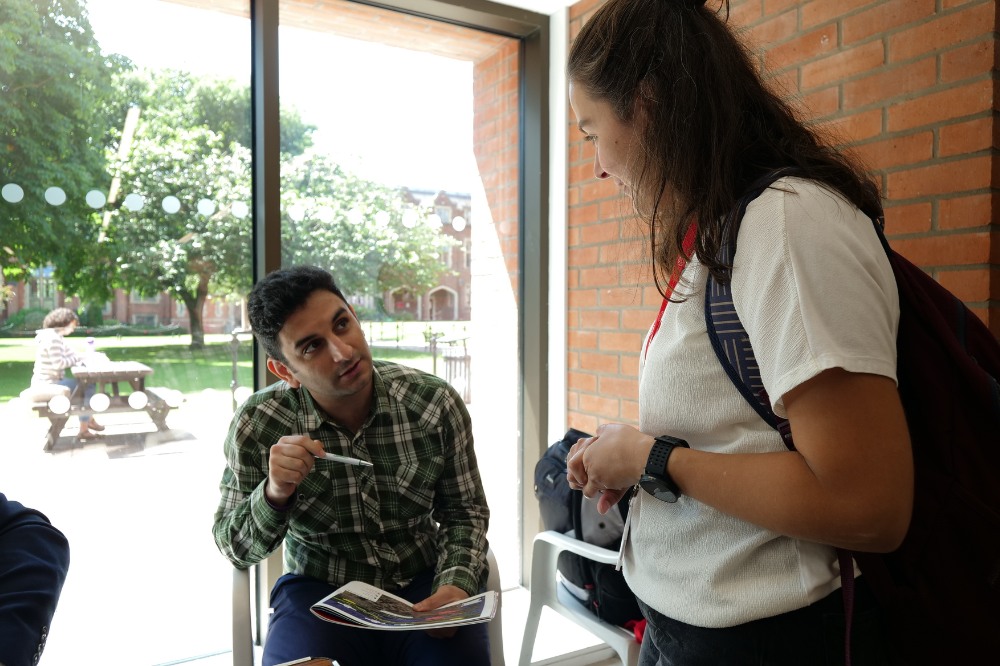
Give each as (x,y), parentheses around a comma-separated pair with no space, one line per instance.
(608,464)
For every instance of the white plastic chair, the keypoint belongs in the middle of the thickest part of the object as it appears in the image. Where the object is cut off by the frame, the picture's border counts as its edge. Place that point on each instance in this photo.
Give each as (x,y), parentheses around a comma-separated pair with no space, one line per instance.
(546,590)
(246,599)
(243,639)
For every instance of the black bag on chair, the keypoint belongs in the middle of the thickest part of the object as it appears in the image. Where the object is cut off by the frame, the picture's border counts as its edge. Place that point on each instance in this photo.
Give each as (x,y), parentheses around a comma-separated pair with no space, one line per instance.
(598,586)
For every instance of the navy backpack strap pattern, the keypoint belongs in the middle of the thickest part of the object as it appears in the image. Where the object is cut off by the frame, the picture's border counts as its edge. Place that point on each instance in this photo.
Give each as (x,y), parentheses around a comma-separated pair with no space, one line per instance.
(729,338)
(732,345)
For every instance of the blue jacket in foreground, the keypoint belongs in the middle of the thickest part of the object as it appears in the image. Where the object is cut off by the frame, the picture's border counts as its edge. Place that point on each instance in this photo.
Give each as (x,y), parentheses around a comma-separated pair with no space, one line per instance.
(34,559)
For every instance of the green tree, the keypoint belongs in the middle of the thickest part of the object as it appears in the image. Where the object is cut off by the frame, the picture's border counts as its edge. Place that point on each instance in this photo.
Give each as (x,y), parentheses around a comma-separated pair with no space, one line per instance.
(182,222)
(365,233)
(54,83)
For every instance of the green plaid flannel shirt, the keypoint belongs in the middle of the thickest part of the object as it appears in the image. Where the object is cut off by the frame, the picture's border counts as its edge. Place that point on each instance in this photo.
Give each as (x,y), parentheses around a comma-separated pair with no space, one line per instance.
(422,505)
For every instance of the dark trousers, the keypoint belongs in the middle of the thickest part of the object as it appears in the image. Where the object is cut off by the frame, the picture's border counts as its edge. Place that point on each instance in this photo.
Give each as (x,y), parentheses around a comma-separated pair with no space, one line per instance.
(294,632)
(813,635)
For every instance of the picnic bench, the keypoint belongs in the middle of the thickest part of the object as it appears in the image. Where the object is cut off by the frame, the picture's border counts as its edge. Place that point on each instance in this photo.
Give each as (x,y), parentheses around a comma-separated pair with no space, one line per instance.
(109,378)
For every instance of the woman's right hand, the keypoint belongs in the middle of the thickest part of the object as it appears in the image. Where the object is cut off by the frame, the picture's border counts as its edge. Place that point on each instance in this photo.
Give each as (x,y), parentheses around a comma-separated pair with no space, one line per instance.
(608,464)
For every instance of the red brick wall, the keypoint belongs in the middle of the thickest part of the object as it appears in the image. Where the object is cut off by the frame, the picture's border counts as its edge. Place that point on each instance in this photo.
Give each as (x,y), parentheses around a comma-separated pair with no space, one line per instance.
(495,137)
(906,84)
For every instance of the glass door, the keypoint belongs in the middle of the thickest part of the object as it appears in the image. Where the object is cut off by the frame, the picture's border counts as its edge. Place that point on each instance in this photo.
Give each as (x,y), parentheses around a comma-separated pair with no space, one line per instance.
(125,185)
(408,192)
(131,193)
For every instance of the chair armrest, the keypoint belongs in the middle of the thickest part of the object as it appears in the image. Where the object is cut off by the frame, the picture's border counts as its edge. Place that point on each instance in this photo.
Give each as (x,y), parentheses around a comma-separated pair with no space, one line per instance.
(546,591)
(545,558)
(588,550)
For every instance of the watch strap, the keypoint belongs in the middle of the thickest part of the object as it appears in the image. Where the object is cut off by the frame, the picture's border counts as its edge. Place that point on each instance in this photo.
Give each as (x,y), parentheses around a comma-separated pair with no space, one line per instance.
(656,464)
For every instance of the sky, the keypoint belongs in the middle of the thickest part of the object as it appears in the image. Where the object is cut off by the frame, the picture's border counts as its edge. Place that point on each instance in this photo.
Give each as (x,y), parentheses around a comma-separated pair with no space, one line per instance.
(403,118)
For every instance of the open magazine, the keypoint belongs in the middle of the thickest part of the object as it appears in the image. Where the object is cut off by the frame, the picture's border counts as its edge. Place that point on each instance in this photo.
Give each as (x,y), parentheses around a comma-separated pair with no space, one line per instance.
(361,605)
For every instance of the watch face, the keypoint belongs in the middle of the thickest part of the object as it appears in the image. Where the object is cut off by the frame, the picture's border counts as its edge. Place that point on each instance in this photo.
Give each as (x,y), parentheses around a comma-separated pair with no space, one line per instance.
(658,487)
(665,495)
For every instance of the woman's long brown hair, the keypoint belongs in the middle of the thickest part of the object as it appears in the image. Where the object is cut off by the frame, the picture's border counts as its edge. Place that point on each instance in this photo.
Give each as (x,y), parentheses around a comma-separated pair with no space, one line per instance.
(709,127)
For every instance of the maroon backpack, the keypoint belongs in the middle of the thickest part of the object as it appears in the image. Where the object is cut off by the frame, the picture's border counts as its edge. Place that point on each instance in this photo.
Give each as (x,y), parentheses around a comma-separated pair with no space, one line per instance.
(940,590)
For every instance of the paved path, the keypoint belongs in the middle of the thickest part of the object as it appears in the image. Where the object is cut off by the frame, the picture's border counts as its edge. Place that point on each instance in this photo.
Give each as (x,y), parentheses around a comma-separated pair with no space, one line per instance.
(147,586)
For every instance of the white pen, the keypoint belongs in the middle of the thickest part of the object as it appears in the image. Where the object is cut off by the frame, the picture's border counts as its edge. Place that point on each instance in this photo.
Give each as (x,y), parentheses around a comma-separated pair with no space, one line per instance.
(344,459)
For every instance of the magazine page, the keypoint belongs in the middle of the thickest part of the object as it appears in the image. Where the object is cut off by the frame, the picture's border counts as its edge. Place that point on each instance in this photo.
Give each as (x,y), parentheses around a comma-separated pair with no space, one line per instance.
(363,605)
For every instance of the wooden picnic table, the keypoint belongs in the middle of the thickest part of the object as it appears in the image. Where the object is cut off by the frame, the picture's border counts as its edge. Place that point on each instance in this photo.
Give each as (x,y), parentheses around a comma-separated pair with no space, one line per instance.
(110,378)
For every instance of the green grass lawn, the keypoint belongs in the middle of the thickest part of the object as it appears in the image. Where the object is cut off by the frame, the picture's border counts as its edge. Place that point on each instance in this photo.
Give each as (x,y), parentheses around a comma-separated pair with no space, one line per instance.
(175,365)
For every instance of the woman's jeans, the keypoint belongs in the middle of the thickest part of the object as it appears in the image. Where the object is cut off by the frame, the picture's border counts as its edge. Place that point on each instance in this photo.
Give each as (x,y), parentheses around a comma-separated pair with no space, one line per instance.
(814,635)
(87,394)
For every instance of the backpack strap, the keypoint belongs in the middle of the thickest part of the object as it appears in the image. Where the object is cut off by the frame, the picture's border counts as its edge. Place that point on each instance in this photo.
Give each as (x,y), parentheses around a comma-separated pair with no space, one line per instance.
(728,337)
(732,347)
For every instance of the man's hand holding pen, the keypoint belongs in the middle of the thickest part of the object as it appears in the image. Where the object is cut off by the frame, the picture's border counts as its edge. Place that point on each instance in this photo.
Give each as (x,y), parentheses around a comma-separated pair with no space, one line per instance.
(289,462)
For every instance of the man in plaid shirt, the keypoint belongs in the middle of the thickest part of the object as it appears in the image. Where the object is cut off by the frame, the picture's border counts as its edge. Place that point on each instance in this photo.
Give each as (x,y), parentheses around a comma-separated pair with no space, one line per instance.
(414,523)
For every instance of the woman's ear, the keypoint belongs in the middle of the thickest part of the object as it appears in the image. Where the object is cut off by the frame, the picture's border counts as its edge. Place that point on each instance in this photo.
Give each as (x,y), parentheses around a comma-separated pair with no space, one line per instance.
(282,371)
(642,106)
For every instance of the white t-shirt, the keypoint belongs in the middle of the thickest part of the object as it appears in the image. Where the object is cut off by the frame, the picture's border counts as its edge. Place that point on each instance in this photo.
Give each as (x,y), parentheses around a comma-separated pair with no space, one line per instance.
(814,290)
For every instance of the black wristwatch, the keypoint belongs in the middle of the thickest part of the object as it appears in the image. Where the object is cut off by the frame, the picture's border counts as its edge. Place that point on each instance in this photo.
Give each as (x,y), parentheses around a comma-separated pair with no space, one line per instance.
(655,479)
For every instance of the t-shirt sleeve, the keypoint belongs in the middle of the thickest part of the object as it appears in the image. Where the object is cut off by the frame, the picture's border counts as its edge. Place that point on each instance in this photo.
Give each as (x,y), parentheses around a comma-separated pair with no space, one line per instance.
(813,288)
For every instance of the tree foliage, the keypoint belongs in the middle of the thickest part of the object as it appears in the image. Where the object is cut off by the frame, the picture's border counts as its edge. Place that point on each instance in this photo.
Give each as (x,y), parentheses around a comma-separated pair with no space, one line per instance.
(54,84)
(178,189)
(361,231)
(188,144)
(182,224)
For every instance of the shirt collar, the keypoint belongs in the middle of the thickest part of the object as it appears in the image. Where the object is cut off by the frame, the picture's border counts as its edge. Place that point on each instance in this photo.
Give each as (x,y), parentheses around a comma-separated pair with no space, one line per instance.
(311,416)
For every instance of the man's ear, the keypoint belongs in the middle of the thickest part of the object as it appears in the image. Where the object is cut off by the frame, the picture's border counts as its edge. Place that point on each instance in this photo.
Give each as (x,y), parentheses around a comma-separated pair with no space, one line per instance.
(282,371)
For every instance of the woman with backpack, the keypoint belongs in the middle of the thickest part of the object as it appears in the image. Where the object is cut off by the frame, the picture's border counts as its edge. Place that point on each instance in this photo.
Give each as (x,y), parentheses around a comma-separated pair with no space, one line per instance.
(733,537)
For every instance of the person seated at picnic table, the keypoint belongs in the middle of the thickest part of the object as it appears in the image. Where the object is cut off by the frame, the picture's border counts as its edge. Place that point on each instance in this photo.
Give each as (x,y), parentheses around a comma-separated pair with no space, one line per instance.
(53,355)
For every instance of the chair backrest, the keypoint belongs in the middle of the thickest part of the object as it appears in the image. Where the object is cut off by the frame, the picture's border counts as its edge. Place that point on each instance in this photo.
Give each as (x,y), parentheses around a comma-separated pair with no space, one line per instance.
(248,594)
(496,624)
(242,619)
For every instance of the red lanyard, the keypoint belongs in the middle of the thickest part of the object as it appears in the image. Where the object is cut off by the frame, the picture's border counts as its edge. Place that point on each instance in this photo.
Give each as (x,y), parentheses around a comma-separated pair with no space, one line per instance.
(688,245)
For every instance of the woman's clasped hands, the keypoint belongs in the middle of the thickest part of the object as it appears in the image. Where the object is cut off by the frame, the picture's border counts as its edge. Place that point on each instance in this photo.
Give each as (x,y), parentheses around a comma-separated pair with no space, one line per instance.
(607,465)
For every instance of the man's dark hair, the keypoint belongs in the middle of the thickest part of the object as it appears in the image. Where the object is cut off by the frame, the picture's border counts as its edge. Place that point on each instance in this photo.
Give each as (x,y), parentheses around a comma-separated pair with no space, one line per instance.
(59,318)
(273,300)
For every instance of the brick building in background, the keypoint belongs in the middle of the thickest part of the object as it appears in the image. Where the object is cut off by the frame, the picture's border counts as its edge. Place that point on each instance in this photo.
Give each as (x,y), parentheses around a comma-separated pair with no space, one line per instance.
(449,300)
(42,293)
(910,85)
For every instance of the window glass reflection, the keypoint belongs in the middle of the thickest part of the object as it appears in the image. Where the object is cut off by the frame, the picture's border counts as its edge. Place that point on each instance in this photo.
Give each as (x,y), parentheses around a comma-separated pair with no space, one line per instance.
(408,140)
(125,197)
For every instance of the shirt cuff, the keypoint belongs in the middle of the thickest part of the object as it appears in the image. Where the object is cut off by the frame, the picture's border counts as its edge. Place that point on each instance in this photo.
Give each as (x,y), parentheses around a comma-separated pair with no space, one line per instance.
(459,577)
(279,509)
